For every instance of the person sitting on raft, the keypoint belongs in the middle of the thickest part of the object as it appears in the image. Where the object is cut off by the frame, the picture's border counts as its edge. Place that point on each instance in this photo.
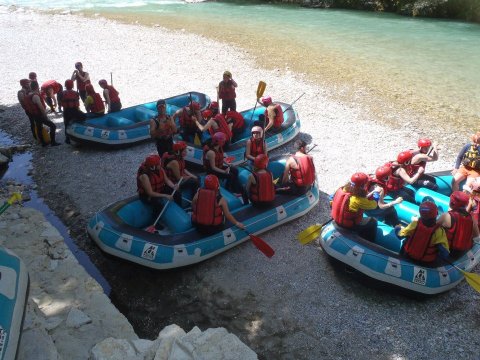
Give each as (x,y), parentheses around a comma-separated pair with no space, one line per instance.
(256,144)
(378,184)
(214,108)
(273,114)
(71,107)
(473,206)
(349,203)
(467,165)
(459,224)
(400,175)
(214,125)
(162,129)
(188,116)
(260,187)
(427,152)
(426,240)
(235,122)
(299,173)
(93,103)
(209,208)
(48,90)
(111,96)
(82,78)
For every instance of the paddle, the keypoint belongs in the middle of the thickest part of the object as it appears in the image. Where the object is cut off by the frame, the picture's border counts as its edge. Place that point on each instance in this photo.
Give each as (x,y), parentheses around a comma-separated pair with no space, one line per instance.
(151,228)
(290,106)
(311,233)
(15,197)
(261,245)
(472,279)
(260,90)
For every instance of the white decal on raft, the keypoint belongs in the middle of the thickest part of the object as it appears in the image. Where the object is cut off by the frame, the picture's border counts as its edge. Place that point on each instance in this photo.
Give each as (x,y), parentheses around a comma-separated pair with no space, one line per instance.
(149,251)
(98,227)
(356,253)
(190,151)
(332,237)
(124,242)
(444,276)
(3,340)
(122,134)
(89,131)
(228,236)
(279,137)
(419,276)
(281,213)
(105,134)
(394,267)
(310,197)
(8,282)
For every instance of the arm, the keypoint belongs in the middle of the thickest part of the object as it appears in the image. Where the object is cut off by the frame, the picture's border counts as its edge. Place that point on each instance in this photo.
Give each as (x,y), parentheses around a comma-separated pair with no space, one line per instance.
(148,188)
(107,97)
(271,118)
(251,181)
(211,159)
(85,77)
(234,83)
(247,150)
(173,125)
(205,127)
(189,174)
(153,128)
(407,231)
(461,154)
(168,181)
(383,205)
(173,165)
(226,211)
(286,172)
(74,75)
(403,174)
(36,100)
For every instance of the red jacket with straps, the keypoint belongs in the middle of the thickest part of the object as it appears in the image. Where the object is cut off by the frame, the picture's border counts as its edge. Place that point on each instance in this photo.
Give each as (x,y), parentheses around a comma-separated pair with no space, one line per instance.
(341,212)
(207,210)
(395,182)
(257,147)
(186,121)
(222,127)
(156,178)
(419,245)
(460,234)
(97,105)
(304,174)
(263,190)
(218,158)
(70,99)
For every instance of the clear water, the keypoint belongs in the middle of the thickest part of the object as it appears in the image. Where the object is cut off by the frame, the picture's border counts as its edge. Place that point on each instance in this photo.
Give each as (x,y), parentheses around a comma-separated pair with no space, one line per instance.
(430,66)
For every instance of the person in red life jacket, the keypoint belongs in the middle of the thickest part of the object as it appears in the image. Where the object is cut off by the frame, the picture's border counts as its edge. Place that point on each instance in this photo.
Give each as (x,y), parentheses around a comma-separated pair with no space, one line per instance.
(48,90)
(235,122)
(226,93)
(299,174)
(273,114)
(350,202)
(93,103)
(213,162)
(467,165)
(256,144)
(162,128)
(214,108)
(188,116)
(209,208)
(400,176)
(459,224)
(71,107)
(153,185)
(21,95)
(174,164)
(214,125)
(473,206)
(377,185)
(260,186)
(82,78)
(111,96)
(206,115)
(37,109)
(427,152)
(426,240)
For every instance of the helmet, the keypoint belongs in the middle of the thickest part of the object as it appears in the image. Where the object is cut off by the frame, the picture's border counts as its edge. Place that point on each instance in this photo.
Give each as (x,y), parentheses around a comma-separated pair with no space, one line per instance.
(257,129)
(69,84)
(161,102)
(179,146)
(78,64)
(383,172)
(152,160)
(227,73)
(424,142)
(404,157)
(194,105)
(476,138)
(359,179)
(266,100)
(428,210)
(261,161)
(32,76)
(102,83)
(211,182)
(206,114)
(25,82)
(458,200)
(213,105)
(219,138)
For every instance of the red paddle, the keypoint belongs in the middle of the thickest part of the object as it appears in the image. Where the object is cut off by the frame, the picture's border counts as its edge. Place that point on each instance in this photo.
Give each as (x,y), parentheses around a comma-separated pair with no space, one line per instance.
(261,245)
(229,159)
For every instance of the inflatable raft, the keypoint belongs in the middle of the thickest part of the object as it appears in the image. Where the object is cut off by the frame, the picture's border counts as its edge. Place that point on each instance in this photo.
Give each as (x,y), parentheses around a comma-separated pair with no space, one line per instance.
(13,298)
(236,150)
(119,229)
(130,125)
(381,261)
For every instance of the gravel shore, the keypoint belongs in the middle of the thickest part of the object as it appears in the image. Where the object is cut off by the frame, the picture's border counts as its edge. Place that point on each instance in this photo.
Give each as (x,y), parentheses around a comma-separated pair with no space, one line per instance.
(293,306)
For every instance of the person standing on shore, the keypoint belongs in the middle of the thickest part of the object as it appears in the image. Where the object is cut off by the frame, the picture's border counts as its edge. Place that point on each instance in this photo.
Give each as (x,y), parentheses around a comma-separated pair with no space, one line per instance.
(162,129)
(93,103)
(21,95)
(111,96)
(71,107)
(226,93)
(82,78)
(48,90)
(32,76)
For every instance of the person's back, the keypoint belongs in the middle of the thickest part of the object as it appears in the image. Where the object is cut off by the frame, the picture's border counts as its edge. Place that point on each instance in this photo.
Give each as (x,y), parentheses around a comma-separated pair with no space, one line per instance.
(299,174)
(93,103)
(260,186)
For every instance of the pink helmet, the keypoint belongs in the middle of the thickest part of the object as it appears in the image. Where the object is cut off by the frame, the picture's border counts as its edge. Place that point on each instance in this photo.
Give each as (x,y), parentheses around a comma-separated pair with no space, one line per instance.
(266,100)
(219,138)
(458,200)
(211,182)
(152,160)
(261,161)
(428,210)
(359,179)
(404,157)
(69,84)
(424,142)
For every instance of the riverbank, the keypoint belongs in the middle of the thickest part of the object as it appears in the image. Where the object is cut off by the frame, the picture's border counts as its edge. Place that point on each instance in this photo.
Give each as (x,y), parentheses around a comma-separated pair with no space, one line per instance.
(292,306)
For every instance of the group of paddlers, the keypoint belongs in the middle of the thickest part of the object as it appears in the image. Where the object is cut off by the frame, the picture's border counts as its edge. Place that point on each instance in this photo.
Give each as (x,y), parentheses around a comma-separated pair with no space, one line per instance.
(34,100)
(427,237)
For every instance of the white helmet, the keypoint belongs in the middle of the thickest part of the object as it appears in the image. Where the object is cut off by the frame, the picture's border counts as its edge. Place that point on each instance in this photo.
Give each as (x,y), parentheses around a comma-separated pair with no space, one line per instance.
(257,129)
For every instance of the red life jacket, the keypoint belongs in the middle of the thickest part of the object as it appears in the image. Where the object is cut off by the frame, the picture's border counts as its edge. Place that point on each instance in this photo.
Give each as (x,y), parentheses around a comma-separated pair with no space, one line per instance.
(304,175)
(263,190)
(207,211)
(70,99)
(218,158)
(164,129)
(186,121)
(113,94)
(257,147)
(157,179)
(341,212)
(97,106)
(412,169)
(460,233)
(238,120)
(394,182)
(31,106)
(80,83)
(375,181)
(278,121)
(51,83)
(222,127)
(226,92)
(419,245)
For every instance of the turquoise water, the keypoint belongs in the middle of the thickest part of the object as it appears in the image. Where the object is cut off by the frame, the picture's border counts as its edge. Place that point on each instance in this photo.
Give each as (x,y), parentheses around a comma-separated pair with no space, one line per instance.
(431,66)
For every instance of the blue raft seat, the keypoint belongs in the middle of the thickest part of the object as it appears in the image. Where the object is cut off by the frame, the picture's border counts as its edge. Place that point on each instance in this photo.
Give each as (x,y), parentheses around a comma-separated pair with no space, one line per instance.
(142,113)
(117,122)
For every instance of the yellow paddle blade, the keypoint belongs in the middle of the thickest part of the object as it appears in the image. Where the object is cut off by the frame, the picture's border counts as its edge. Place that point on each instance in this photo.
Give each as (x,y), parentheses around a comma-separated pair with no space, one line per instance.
(261,89)
(15,197)
(309,234)
(276,181)
(472,279)
(196,140)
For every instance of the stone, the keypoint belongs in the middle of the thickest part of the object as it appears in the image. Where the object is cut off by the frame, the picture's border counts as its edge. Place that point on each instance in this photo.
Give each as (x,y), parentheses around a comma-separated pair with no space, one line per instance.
(51,235)
(162,346)
(114,349)
(77,318)
(37,344)
(52,322)
(142,345)
(4,160)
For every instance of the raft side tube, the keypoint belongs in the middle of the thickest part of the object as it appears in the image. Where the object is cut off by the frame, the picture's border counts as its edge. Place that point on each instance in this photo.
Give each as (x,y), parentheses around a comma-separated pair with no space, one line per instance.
(442,201)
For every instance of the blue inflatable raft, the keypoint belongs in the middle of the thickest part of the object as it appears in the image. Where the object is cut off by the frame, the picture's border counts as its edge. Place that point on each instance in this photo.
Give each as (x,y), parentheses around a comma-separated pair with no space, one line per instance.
(382,261)
(119,229)
(130,125)
(13,298)
(236,150)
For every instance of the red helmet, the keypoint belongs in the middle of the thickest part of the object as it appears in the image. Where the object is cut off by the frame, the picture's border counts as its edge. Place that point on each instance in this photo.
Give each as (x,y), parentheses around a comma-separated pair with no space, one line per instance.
(152,160)
(219,138)
(194,105)
(261,161)
(458,200)
(428,210)
(211,182)
(25,82)
(383,172)
(69,84)
(32,76)
(207,114)
(359,179)
(404,157)
(424,142)
(266,100)
(213,105)
(179,146)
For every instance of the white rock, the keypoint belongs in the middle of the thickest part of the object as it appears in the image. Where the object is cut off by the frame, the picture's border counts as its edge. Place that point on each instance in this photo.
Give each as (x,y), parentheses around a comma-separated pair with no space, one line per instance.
(3,159)
(77,318)
(53,322)
(51,235)
(142,345)
(163,345)
(37,344)
(114,349)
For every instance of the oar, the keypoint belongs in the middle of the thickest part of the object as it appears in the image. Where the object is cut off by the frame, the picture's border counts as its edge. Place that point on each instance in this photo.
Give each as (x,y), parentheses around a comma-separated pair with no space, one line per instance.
(472,279)
(151,228)
(311,233)
(290,106)
(261,245)
(260,90)
(15,197)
